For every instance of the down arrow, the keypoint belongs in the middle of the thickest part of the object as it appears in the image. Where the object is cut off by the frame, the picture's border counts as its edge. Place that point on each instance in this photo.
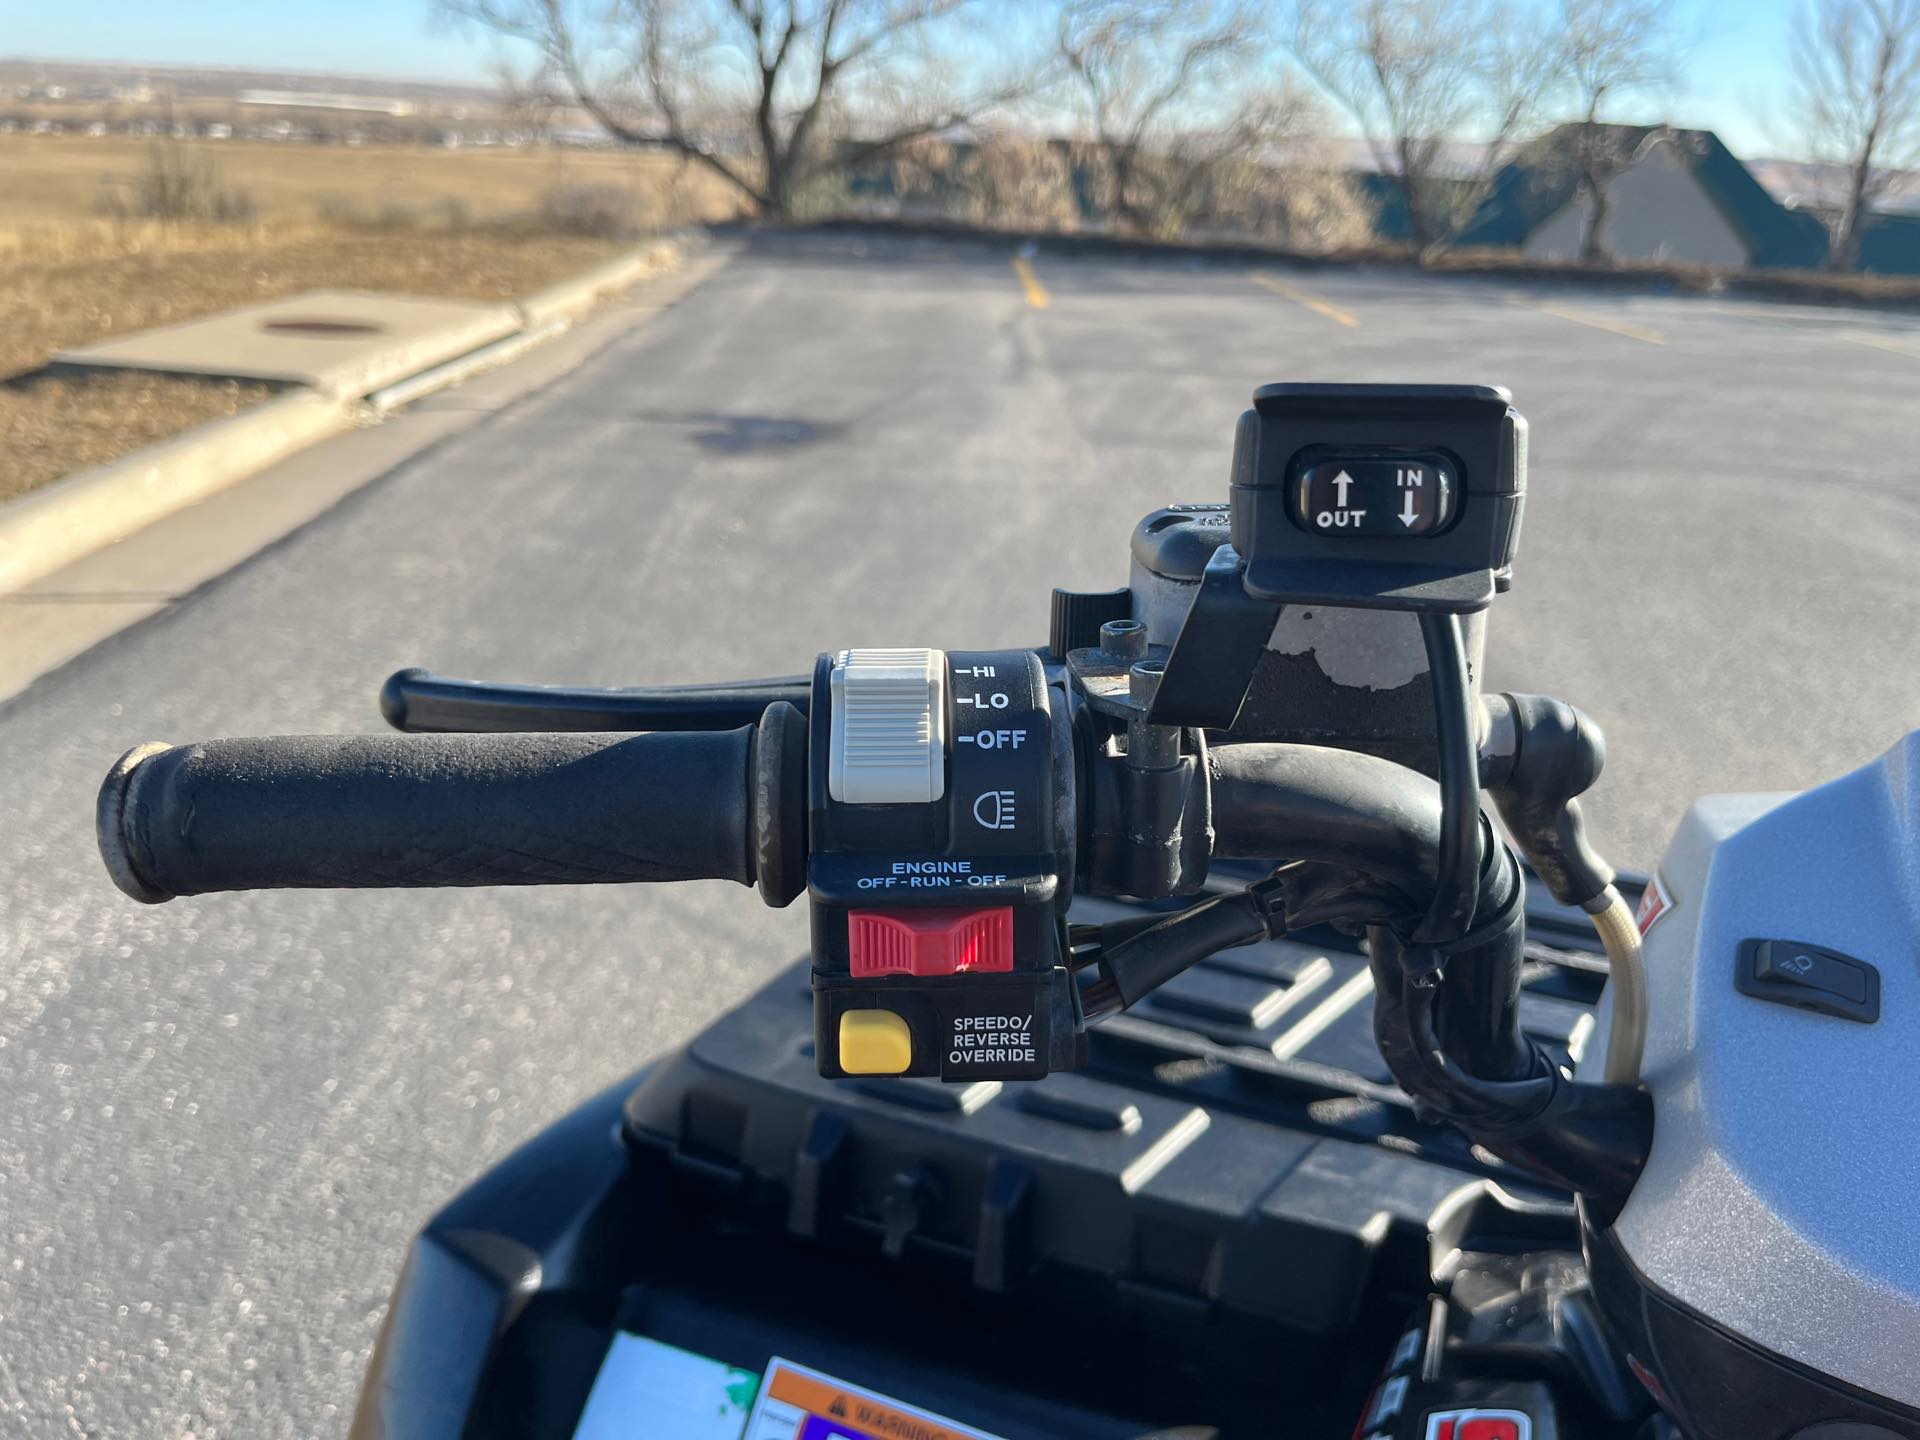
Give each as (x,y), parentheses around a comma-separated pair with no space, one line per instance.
(1407,513)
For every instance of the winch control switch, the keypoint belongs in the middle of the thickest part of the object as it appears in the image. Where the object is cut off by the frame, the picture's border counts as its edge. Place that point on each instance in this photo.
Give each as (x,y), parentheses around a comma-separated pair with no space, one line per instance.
(1387,497)
(936,869)
(1393,496)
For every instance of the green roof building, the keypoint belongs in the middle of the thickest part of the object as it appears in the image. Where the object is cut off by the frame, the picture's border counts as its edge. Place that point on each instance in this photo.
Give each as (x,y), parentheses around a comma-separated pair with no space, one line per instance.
(1675,195)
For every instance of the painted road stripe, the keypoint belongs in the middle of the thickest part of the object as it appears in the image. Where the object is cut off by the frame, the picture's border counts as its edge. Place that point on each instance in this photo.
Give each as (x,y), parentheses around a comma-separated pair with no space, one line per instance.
(1037,295)
(1300,297)
(1880,342)
(1597,322)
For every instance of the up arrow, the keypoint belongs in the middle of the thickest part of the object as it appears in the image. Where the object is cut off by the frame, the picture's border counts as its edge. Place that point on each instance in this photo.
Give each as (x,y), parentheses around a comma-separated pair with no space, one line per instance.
(1340,483)
(1407,513)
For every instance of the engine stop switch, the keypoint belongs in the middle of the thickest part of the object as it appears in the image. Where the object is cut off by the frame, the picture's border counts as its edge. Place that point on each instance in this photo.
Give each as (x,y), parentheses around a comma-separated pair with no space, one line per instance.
(935,870)
(929,942)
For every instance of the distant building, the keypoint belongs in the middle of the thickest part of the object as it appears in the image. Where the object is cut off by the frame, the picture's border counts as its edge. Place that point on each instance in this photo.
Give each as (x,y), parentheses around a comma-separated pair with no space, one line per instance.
(1890,245)
(392,106)
(1890,239)
(1821,186)
(1675,195)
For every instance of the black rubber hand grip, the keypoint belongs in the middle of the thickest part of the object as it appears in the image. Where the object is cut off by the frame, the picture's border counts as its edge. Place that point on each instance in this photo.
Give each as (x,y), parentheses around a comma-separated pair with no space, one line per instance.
(429,810)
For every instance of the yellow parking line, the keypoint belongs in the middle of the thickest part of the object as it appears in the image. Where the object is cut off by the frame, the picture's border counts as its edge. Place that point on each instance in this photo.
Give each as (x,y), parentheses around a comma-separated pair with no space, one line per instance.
(1596,322)
(1880,342)
(1037,295)
(1301,297)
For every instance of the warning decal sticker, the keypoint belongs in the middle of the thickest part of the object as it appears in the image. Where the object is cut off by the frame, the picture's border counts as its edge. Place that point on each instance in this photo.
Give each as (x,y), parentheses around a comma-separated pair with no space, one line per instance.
(800,1404)
(656,1390)
(1655,901)
(1479,1425)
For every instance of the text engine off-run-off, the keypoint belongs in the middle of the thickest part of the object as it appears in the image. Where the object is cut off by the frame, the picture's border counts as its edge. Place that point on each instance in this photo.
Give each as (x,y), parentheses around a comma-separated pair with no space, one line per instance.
(929,875)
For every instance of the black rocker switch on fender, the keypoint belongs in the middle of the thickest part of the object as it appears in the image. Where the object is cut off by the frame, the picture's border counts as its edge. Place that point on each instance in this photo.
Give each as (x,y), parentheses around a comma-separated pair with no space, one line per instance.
(1788,972)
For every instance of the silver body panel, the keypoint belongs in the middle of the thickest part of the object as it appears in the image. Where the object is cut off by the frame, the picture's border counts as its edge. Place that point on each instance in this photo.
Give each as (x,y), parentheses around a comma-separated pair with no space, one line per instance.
(1782,1195)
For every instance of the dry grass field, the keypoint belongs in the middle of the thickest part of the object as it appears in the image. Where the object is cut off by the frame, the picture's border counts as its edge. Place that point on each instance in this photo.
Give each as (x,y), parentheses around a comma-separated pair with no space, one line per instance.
(63,179)
(479,224)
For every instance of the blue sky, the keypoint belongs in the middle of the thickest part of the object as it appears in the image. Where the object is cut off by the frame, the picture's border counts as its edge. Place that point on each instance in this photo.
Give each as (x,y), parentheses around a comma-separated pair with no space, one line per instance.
(1728,83)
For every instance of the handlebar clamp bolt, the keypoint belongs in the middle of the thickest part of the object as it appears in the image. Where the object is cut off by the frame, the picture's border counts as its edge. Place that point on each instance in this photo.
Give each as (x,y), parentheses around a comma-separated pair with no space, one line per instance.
(1124,639)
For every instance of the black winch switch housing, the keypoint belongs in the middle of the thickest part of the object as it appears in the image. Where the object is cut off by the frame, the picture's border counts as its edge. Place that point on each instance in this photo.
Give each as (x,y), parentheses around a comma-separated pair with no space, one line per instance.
(939,932)
(1428,516)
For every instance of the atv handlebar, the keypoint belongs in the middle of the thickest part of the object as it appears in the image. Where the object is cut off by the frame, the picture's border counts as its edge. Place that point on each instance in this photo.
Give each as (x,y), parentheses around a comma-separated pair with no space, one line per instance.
(944,808)
(304,812)
(1357,835)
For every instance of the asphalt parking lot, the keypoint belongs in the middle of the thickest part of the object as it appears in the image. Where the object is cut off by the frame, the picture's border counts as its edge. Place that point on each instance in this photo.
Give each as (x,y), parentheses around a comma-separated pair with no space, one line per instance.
(225,1117)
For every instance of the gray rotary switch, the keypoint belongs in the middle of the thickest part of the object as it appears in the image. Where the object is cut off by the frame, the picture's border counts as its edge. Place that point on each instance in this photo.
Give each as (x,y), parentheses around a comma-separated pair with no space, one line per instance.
(888,738)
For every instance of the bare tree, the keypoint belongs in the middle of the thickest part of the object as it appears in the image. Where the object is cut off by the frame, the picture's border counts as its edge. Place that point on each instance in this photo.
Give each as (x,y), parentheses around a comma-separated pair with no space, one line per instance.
(1608,48)
(1416,74)
(1857,87)
(1020,182)
(530,101)
(693,74)
(1152,75)
(1234,175)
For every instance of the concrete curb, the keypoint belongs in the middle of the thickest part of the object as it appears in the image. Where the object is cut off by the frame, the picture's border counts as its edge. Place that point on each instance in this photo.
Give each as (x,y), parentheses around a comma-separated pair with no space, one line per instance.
(574,297)
(439,377)
(51,528)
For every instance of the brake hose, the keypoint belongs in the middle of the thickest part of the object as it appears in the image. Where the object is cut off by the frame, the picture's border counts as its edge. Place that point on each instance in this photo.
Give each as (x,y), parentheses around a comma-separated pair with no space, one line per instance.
(1556,755)
(1627,974)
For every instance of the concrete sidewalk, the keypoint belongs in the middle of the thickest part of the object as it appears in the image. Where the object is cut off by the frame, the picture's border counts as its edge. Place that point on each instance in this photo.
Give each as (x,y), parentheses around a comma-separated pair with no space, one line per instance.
(52,619)
(346,359)
(341,343)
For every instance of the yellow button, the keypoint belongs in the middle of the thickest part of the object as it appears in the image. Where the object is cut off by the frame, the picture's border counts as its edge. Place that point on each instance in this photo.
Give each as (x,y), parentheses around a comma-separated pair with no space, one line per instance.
(874,1042)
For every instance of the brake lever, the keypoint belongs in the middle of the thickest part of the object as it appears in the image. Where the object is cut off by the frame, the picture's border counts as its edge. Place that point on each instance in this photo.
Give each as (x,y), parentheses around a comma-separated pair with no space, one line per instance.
(420,702)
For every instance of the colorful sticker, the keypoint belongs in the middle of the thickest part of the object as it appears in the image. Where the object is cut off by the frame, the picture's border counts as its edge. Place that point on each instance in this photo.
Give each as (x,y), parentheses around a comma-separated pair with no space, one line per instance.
(649,1391)
(801,1404)
(1479,1425)
(1656,900)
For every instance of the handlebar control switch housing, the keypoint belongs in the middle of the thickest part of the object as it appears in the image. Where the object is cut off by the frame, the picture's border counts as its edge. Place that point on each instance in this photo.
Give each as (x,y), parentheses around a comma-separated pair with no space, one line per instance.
(940,866)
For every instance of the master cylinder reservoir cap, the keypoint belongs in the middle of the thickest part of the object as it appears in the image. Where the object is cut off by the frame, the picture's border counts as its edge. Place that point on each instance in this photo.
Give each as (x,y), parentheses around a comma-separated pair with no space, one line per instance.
(888,736)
